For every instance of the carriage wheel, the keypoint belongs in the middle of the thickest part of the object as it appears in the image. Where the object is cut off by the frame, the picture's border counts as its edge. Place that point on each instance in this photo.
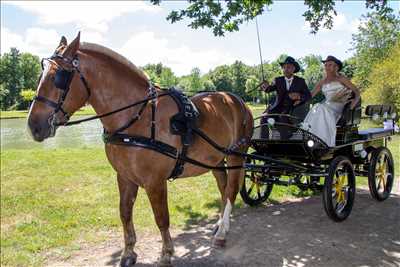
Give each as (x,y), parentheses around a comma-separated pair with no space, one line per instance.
(381,174)
(339,189)
(254,190)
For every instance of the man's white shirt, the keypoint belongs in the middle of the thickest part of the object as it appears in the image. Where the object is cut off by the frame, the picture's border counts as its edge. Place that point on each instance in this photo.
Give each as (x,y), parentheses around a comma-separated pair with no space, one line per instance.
(288,82)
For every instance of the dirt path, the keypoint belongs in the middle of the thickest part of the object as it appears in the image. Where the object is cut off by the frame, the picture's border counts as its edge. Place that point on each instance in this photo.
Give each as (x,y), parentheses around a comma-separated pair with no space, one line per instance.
(290,234)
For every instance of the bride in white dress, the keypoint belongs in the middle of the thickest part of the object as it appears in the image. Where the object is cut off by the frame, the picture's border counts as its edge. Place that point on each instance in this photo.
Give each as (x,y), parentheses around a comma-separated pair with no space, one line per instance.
(322,118)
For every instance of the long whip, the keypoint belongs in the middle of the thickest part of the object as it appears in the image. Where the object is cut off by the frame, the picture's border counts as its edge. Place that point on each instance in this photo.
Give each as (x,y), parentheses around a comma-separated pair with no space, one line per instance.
(261,60)
(259,50)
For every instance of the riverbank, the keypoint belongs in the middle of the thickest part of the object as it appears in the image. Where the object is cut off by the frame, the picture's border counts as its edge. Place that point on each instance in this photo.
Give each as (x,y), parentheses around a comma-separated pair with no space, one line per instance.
(18,114)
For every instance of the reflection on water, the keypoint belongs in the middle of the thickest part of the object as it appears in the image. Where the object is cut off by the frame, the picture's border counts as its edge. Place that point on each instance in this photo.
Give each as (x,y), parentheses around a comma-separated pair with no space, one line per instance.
(15,135)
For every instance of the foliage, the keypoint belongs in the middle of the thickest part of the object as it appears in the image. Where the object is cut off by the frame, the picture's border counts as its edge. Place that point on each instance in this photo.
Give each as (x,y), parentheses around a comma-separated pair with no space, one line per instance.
(27,96)
(384,86)
(220,77)
(17,71)
(313,73)
(377,33)
(195,83)
(227,16)
(160,75)
(349,67)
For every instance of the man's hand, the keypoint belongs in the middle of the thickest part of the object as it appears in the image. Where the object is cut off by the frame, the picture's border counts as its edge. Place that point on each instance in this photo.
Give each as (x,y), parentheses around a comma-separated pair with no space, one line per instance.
(264,86)
(296,97)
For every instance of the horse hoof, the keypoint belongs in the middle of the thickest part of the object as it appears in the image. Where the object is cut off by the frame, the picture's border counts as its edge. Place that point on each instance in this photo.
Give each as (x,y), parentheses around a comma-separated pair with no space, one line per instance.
(219,243)
(128,261)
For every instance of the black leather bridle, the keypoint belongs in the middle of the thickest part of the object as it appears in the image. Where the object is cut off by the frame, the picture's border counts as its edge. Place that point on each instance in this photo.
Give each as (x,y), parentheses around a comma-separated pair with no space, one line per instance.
(62,81)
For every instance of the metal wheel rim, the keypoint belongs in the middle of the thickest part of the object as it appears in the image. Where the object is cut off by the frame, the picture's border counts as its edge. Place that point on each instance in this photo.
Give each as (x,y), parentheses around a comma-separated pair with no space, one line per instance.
(382,173)
(340,188)
(255,189)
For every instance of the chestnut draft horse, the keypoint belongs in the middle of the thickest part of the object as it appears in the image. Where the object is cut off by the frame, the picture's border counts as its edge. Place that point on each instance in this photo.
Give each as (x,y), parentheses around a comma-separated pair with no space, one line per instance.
(80,73)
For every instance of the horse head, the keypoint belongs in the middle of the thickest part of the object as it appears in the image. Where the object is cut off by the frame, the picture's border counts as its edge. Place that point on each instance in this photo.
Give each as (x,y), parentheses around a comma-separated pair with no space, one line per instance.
(61,91)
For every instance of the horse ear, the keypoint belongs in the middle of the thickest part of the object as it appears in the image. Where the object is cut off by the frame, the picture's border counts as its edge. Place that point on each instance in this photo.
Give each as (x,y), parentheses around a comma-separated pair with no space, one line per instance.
(63,41)
(73,47)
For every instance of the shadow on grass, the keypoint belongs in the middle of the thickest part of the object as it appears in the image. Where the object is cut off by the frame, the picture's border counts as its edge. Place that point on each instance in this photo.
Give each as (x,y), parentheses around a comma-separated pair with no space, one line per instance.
(194,217)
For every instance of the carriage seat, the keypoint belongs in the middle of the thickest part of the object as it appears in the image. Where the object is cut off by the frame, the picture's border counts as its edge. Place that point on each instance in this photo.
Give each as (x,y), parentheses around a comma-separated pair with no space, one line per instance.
(350,117)
(380,110)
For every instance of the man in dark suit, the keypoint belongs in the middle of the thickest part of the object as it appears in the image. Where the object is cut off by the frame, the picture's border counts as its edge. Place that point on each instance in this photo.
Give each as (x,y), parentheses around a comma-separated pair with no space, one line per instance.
(291,91)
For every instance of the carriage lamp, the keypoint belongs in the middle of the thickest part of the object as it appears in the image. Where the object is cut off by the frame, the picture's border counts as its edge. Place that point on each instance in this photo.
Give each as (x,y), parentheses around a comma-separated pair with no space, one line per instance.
(375,117)
(310,143)
(363,153)
(271,121)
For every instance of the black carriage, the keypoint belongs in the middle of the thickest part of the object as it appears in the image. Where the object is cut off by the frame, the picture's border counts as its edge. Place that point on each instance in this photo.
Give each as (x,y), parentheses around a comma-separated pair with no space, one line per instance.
(285,154)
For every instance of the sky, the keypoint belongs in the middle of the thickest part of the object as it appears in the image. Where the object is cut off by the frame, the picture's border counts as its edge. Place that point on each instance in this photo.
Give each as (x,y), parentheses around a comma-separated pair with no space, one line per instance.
(140,32)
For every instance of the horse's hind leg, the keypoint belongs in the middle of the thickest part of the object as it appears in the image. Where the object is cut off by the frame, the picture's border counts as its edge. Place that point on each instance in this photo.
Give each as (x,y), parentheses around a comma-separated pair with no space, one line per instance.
(127,192)
(222,179)
(157,194)
(231,191)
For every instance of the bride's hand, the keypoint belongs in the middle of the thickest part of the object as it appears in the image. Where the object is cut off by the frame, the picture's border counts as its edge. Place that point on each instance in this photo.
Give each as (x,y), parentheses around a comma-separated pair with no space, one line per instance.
(353,103)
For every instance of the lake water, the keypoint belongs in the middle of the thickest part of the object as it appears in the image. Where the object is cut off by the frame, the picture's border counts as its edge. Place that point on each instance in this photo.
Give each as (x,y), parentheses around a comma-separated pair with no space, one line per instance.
(15,135)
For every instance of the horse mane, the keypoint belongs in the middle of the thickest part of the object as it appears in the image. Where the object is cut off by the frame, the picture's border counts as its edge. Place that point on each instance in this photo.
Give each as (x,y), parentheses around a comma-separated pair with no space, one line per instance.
(114,55)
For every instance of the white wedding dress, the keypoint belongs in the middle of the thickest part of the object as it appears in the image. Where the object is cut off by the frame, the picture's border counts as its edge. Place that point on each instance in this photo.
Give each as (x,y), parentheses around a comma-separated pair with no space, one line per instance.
(322,118)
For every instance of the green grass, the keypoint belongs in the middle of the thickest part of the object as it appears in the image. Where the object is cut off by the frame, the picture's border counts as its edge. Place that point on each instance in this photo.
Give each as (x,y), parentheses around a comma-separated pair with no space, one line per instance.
(52,198)
(14,114)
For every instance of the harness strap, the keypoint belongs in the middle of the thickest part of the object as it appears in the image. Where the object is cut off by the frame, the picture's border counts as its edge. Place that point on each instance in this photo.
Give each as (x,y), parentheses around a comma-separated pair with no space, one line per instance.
(46,101)
(160,147)
(84,82)
(133,120)
(112,112)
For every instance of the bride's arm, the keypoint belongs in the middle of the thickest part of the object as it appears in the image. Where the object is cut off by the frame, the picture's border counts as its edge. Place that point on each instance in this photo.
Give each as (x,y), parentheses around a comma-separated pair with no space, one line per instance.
(317,89)
(346,82)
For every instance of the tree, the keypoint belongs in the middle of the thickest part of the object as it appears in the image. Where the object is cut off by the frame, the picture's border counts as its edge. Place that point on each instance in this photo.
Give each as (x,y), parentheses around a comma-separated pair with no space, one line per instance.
(313,73)
(220,77)
(251,88)
(239,74)
(160,75)
(227,16)
(195,83)
(384,86)
(349,67)
(30,70)
(378,32)
(17,71)
(27,96)
(313,70)
(11,78)
(3,94)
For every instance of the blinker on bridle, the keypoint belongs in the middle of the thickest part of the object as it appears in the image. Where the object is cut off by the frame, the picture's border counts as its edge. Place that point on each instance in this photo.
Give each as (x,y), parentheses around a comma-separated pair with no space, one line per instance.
(62,81)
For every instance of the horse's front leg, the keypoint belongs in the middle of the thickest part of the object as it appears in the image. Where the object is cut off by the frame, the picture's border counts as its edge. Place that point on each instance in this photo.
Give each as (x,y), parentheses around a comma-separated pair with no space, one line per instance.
(157,193)
(229,197)
(127,192)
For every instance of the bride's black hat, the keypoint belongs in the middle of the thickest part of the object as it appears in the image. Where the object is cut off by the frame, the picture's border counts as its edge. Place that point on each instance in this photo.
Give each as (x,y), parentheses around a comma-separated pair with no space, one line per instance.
(337,61)
(290,60)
